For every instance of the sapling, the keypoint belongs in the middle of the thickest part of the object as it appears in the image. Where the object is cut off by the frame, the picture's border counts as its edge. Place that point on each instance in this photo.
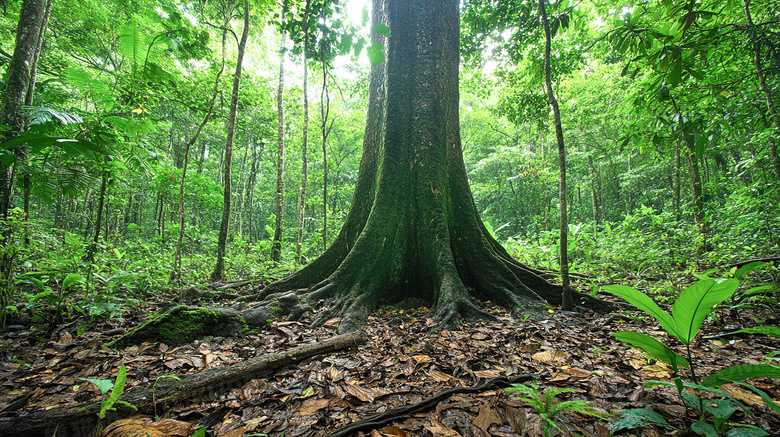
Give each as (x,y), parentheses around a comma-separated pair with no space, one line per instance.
(689,311)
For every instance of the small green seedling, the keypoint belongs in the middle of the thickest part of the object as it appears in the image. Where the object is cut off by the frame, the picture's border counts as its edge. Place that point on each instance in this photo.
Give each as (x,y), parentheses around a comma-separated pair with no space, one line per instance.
(117,388)
(690,310)
(548,408)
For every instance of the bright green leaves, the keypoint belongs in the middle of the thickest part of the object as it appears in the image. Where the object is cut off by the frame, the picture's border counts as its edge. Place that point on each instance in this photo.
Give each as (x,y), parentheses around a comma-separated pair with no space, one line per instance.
(132,43)
(654,347)
(693,305)
(71,280)
(644,303)
(741,372)
(697,302)
(637,418)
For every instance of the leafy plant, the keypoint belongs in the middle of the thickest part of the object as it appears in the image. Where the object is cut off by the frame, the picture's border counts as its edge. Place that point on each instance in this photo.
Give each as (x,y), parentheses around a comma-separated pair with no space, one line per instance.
(117,388)
(548,407)
(690,310)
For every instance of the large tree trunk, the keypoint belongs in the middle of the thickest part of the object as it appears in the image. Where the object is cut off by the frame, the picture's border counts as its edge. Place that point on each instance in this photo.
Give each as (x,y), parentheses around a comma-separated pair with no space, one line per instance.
(413,230)
(27,37)
(219,268)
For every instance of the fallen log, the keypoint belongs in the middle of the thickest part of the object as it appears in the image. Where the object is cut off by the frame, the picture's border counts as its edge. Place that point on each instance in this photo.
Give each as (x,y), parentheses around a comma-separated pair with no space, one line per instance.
(81,420)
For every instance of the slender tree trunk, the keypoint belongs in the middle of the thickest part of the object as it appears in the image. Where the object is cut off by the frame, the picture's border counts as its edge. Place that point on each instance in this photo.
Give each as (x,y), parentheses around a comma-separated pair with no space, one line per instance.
(28,100)
(567,303)
(770,105)
(677,179)
(324,112)
(696,191)
(304,145)
(28,33)
(219,268)
(92,248)
(176,274)
(252,180)
(276,250)
(594,194)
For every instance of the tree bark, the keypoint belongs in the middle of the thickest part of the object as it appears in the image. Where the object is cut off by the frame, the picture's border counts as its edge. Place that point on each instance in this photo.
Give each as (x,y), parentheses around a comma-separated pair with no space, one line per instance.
(176,274)
(764,89)
(413,229)
(92,248)
(219,269)
(324,112)
(276,250)
(304,145)
(27,35)
(567,303)
(677,179)
(594,194)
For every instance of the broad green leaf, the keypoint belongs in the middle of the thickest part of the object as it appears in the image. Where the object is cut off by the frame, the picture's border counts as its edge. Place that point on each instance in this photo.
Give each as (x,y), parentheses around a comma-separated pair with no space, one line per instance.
(747,268)
(116,392)
(719,408)
(696,303)
(772,331)
(767,400)
(104,385)
(747,431)
(761,289)
(132,43)
(704,428)
(637,418)
(644,303)
(653,347)
(71,280)
(380,29)
(376,53)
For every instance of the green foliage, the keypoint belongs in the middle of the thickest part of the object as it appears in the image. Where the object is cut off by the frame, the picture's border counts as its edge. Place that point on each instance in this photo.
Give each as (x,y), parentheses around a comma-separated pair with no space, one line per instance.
(690,309)
(117,388)
(548,407)
(637,418)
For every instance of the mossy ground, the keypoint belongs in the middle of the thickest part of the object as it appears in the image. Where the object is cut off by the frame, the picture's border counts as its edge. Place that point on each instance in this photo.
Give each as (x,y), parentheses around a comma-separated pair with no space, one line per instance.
(183,324)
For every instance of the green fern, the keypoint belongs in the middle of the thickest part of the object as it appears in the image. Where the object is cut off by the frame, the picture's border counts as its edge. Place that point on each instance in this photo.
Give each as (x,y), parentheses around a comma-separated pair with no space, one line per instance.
(548,407)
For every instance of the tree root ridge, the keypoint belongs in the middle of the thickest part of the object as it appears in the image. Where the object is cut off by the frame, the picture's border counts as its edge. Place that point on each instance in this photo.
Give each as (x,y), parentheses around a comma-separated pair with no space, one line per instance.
(428,404)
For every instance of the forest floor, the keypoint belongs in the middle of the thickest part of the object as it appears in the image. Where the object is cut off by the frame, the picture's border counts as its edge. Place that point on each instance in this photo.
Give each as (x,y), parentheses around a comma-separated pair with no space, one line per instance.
(402,363)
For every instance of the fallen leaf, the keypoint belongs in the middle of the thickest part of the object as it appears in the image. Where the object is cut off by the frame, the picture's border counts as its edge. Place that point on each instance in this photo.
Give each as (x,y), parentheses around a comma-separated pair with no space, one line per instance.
(487,416)
(551,356)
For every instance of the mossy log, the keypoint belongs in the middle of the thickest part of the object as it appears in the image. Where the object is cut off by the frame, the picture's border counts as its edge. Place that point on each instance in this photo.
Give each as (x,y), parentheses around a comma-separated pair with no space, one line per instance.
(82,419)
(182,324)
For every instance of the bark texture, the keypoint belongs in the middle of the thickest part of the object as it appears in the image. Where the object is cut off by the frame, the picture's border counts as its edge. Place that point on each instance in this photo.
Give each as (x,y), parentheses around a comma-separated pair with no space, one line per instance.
(567,303)
(413,229)
(27,36)
(219,268)
(276,251)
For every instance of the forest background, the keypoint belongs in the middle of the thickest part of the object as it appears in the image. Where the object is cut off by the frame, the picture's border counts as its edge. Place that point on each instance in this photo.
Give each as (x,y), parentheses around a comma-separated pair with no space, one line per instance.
(670,140)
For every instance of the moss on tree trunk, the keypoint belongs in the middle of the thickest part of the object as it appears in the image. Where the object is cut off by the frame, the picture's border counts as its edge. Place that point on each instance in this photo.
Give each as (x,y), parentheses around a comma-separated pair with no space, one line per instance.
(413,229)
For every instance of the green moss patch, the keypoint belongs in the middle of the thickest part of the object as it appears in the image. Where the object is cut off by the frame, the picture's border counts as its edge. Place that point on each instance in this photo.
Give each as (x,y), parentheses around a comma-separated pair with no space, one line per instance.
(182,324)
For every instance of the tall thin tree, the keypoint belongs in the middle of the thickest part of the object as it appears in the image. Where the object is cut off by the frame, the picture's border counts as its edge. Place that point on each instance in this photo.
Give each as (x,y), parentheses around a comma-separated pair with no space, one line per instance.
(276,250)
(219,268)
(566,302)
(304,145)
